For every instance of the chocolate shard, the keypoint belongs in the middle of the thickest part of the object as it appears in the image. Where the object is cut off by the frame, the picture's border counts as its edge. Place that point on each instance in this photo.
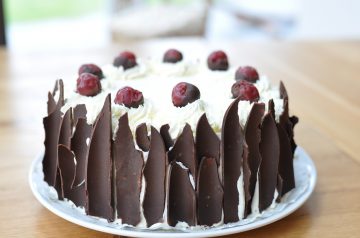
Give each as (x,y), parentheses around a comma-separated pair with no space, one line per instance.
(51,104)
(271,107)
(184,150)
(209,193)
(283,91)
(182,197)
(66,129)
(79,111)
(52,132)
(100,165)
(164,131)
(207,142)
(142,138)
(128,164)
(253,137)
(246,180)
(67,166)
(287,123)
(59,88)
(270,153)
(286,169)
(80,144)
(155,178)
(232,139)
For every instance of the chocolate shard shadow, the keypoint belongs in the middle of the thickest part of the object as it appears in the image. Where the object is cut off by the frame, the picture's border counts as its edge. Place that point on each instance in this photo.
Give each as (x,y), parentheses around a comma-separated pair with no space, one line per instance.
(164,131)
(181,198)
(286,169)
(209,193)
(100,165)
(207,142)
(270,153)
(142,138)
(155,178)
(128,164)
(80,144)
(184,150)
(232,139)
(67,166)
(253,137)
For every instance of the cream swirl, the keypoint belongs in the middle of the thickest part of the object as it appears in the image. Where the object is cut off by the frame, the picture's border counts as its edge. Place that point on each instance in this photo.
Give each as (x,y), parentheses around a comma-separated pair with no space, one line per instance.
(156,80)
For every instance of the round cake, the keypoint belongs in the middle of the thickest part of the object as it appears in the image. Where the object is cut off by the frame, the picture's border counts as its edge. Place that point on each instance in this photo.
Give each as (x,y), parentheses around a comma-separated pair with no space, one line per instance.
(171,142)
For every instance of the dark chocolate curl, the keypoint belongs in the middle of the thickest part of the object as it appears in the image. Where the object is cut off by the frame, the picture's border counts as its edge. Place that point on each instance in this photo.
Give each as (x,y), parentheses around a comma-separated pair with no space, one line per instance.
(128,163)
(51,104)
(270,153)
(142,138)
(209,193)
(271,106)
(182,198)
(207,142)
(80,144)
(232,139)
(52,131)
(164,131)
(288,123)
(155,177)
(100,165)
(283,91)
(286,169)
(67,168)
(253,137)
(246,180)
(184,150)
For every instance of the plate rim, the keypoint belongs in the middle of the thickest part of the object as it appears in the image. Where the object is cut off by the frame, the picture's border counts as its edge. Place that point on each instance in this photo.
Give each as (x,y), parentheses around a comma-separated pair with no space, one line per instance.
(201,233)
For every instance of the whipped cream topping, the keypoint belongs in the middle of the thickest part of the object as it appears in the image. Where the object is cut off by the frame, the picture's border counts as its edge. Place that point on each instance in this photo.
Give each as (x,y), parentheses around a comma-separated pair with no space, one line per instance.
(156,80)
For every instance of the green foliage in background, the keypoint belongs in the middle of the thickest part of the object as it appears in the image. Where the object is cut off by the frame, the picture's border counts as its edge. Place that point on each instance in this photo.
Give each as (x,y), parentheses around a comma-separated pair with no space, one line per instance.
(27,10)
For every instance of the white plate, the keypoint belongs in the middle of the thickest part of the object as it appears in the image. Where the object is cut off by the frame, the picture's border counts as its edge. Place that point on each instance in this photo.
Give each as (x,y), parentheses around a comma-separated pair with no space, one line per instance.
(305,178)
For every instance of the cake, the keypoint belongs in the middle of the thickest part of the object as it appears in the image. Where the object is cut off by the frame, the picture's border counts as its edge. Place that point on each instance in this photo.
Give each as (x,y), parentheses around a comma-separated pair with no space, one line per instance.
(171,142)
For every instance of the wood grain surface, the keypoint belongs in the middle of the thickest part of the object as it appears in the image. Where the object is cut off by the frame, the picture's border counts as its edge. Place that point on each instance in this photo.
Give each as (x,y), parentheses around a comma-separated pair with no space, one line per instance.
(324,86)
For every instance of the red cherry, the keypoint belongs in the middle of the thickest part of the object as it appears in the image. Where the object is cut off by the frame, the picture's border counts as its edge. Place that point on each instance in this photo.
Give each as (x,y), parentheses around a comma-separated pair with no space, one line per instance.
(88,84)
(245,90)
(247,73)
(184,93)
(218,60)
(129,97)
(172,56)
(126,59)
(92,69)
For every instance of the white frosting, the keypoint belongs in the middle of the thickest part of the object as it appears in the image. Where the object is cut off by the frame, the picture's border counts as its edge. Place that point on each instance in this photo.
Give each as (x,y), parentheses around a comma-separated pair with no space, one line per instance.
(156,81)
(240,187)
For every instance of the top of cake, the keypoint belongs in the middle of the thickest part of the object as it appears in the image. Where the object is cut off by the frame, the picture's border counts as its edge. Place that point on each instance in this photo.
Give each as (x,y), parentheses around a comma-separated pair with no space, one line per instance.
(207,85)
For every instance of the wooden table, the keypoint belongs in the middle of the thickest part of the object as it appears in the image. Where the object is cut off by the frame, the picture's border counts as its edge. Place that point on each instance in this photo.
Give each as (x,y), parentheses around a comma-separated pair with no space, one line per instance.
(324,86)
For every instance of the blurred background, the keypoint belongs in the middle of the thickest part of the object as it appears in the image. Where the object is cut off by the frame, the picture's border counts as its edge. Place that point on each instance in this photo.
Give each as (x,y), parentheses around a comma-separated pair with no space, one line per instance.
(73,24)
